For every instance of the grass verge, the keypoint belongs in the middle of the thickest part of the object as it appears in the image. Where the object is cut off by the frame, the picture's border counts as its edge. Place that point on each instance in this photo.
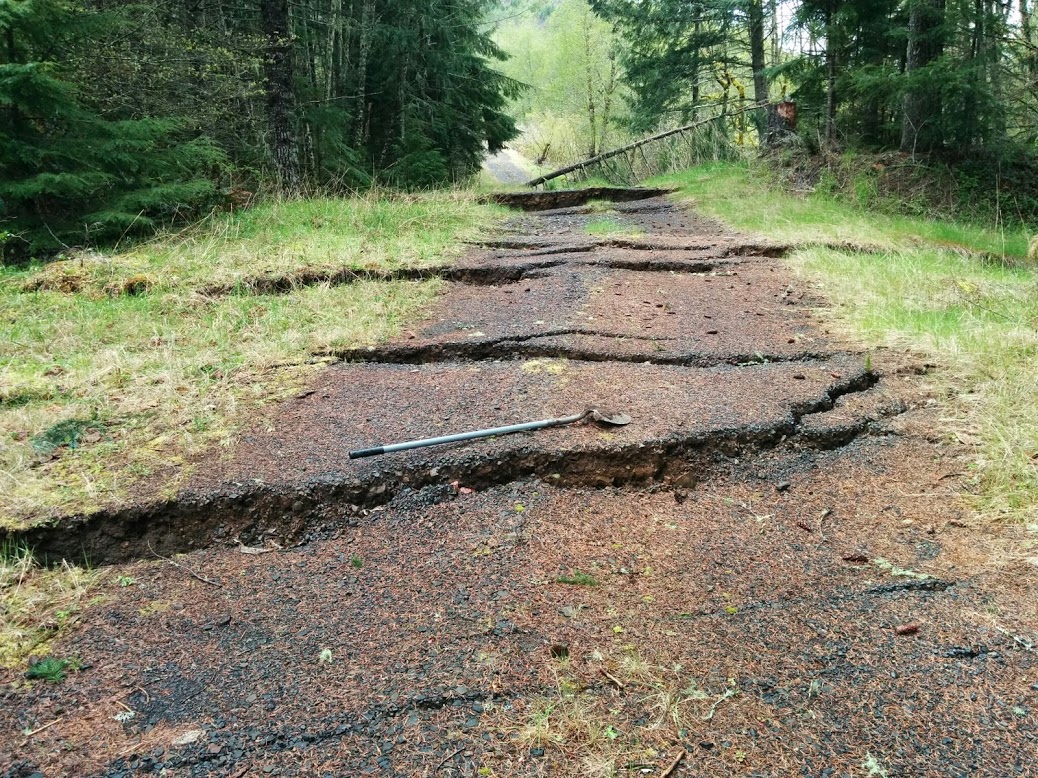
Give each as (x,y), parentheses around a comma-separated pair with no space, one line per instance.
(923,291)
(117,369)
(744,196)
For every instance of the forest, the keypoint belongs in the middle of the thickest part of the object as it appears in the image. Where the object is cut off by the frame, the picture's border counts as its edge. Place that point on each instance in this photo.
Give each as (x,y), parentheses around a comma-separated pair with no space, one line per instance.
(118,117)
(123,116)
(948,89)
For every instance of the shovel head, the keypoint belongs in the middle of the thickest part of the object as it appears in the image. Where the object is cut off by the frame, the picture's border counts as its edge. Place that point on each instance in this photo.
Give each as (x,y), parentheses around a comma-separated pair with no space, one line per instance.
(612,419)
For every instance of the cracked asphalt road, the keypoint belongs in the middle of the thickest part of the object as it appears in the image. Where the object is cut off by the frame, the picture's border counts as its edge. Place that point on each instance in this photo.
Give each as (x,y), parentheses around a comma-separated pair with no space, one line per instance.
(770,572)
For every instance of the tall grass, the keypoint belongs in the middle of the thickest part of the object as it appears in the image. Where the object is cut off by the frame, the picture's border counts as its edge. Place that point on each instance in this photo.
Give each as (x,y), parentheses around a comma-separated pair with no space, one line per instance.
(745,196)
(979,323)
(37,603)
(280,238)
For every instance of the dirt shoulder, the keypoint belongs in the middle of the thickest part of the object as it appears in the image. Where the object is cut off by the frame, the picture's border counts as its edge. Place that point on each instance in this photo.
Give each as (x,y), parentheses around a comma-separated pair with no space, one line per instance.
(769,572)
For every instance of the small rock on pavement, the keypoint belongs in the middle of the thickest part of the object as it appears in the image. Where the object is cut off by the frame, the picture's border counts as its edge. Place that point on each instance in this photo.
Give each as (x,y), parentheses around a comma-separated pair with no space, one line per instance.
(189,737)
(906,629)
(782,486)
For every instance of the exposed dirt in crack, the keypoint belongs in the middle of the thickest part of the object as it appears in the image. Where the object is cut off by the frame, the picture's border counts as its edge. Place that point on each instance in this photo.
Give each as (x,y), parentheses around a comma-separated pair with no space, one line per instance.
(550,345)
(294,482)
(771,569)
(570,245)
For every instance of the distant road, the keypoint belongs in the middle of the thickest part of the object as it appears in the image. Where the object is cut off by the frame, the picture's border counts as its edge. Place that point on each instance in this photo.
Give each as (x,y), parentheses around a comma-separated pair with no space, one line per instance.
(509,167)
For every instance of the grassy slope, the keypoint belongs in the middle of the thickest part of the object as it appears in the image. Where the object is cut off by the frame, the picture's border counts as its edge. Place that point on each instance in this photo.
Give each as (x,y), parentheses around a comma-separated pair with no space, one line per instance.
(156,377)
(977,318)
(741,195)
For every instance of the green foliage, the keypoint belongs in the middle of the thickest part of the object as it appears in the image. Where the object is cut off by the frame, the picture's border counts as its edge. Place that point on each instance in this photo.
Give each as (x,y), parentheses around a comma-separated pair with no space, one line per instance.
(69,176)
(119,117)
(432,108)
(49,669)
(577,578)
(569,57)
(675,52)
(64,433)
(919,76)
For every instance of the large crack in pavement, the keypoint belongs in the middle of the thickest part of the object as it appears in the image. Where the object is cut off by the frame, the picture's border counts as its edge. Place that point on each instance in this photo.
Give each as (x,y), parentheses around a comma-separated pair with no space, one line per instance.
(294,480)
(767,571)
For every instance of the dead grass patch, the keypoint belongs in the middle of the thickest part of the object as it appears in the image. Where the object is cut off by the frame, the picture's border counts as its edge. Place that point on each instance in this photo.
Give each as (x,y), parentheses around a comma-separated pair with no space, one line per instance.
(36,604)
(609,714)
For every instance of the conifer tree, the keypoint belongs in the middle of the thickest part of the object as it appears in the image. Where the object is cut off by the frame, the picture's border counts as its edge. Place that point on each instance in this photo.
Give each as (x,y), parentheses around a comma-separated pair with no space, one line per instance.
(675,47)
(68,176)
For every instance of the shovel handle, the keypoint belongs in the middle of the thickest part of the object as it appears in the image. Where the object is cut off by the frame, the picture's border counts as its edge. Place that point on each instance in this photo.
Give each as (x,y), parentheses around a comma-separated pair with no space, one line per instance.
(530,425)
(367,452)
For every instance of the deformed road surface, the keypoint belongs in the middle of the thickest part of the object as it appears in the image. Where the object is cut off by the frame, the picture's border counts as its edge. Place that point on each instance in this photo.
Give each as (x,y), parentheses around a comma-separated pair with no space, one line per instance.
(770,572)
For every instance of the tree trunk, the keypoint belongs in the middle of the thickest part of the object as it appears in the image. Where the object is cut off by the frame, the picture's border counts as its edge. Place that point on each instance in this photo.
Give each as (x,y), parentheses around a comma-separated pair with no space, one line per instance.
(591,102)
(13,112)
(363,52)
(333,53)
(970,109)
(696,58)
(922,107)
(1030,52)
(755,17)
(830,78)
(773,31)
(281,99)
(607,97)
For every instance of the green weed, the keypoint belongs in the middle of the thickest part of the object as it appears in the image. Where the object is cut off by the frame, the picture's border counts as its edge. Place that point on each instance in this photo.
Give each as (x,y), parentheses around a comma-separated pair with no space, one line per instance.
(64,433)
(49,669)
(36,603)
(577,578)
(610,227)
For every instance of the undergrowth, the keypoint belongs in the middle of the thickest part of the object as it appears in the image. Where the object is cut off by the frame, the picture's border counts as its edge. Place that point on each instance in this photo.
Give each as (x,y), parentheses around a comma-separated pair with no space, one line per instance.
(924,290)
(118,370)
(597,733)
(606,226)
